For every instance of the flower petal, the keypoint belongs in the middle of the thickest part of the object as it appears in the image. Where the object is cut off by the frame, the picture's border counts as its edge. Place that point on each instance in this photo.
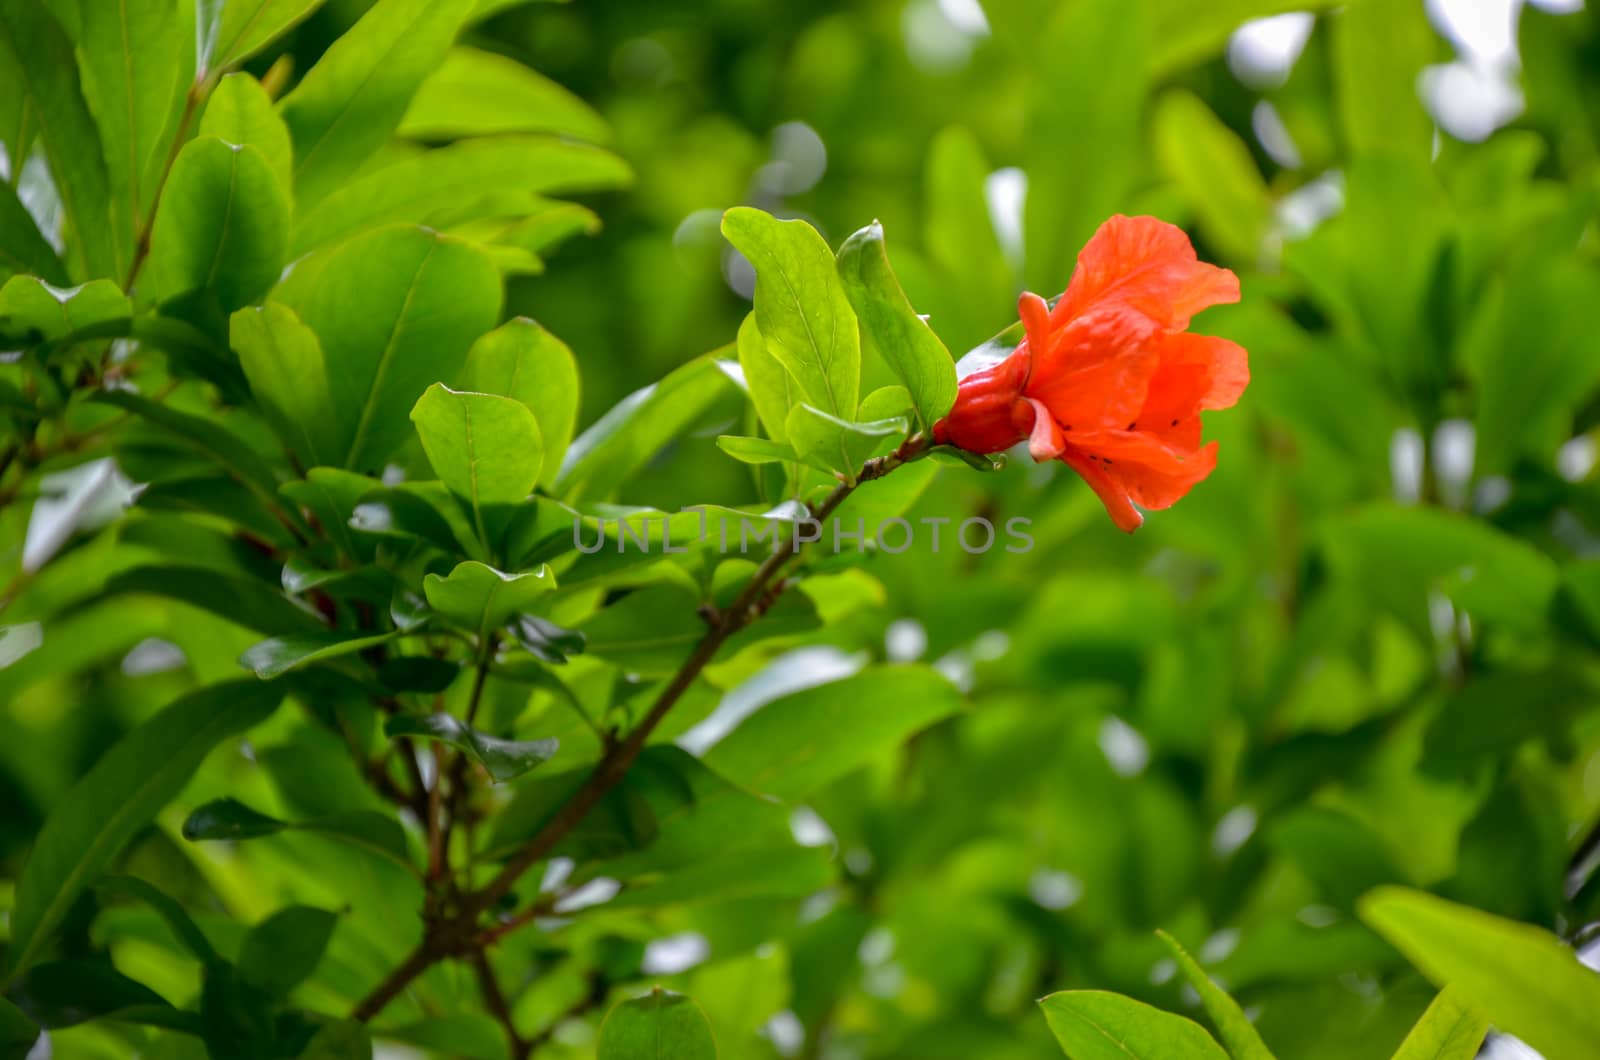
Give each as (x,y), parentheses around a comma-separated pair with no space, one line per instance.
(1044,441)
(1096,371)
(1154,474)
(1113,496)
(1148,264)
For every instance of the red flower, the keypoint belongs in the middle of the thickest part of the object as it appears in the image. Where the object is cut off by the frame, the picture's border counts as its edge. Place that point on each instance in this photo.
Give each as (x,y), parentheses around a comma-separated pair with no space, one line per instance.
(1109,381)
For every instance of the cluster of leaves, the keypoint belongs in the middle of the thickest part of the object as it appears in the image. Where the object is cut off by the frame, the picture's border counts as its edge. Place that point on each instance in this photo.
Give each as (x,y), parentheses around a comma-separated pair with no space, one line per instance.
(308,634)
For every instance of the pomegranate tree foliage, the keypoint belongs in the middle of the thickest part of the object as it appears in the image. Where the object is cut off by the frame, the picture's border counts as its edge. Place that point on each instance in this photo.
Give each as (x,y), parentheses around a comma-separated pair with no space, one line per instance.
(323,733)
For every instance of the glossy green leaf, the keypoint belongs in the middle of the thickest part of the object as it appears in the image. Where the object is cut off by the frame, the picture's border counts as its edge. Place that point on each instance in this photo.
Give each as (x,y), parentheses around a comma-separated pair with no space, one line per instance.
(424,299)
(348,104)
(801,306)
(892,327)
(244,601)
(504,759)
(33,44)
(340,1040)
(23,248)
(523,361)
(619,443)
(119,796)
(469,1035)
(34,311)
(239,111)
(772,389)
(288,375)
(131,73)
(479,93)
(1519,977)
(285,948)
(481,598)
(277,656)
(487,449)
(1240,1036)
(233,820)
(796,744)
(245,27)
(841,445)
(222,225)
(447,182)
(1449,1030)
(661,1025)
(1095,1025)
(1214,169)
(756,450)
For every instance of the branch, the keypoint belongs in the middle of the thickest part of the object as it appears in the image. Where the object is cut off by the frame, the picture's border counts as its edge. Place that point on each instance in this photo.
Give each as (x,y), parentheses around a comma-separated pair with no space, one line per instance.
(496,1001)
(457,935)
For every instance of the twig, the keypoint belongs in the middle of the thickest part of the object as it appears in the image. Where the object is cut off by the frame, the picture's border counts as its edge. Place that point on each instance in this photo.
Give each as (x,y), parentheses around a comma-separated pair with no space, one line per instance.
(496,1000)
(457,934)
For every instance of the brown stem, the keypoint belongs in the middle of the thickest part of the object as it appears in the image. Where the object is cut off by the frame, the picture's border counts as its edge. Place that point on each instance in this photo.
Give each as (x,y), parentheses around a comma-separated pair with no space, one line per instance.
(458,933)
(496,1001)
(141,247)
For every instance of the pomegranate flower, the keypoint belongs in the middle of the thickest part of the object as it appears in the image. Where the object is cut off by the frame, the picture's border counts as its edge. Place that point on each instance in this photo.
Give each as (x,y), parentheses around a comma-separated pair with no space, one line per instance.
(1109,381)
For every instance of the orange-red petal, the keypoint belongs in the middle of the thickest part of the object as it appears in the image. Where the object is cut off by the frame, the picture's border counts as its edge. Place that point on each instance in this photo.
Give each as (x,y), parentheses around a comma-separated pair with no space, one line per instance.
(1044,441)
(1148,264)
(1154,474)
(1111,494)
(1096,371)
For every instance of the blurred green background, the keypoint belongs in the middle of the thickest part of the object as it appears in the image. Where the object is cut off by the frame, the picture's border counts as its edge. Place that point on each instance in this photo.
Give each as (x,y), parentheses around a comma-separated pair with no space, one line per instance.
(1363,651)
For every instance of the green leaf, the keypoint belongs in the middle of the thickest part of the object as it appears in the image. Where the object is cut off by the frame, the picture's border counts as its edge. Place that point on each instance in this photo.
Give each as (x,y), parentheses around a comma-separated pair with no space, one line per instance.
(797,744)
(658,1026)
(772,390)
(239,111)
(1091,50)
(1449,1030)
(177,918)
(341,1040)
(1095,1025)
(18,1033)
(245,27)
(486,449)
(504,759)
(801,306)
(841,445)
(33,311)
(960,236)
(891,327)
(638,427)
(222,226)
(284,949)
(288,375)
(1181,33)
(119,796)
(422,298)
(479,93)
(451,181)
(131,70)
(276,656)
(23,248)
(1214,169)
(34,46)
(521,360)
(233,820)
(1238,1033)
(481,598)
(245,601)
(243,464)
(468,1035)
(1378,53)
(354,97)
(757,450)
(67,993)
(1519,977)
